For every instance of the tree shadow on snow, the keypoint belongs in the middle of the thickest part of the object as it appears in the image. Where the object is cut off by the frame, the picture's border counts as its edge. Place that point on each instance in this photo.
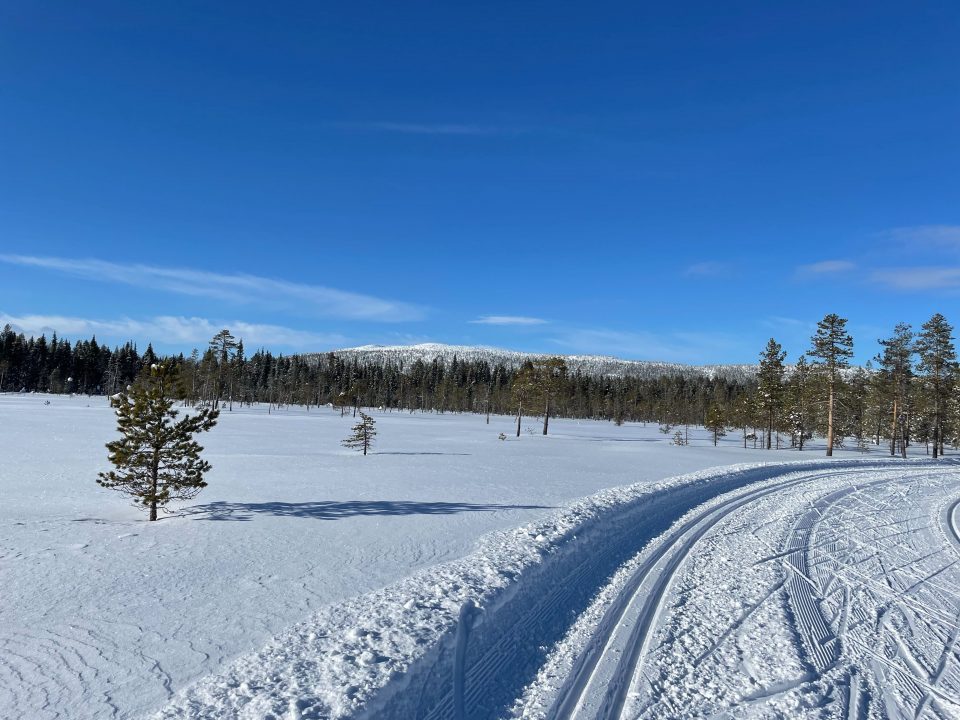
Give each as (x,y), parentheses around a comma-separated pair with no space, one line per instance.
(335,510)
(419,453)
(623,440)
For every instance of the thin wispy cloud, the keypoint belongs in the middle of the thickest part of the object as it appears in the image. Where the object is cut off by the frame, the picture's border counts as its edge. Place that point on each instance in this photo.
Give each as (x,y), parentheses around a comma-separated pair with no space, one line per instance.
(170,330)
(240,289)
(709,268)
(508,320)
(924,237)
(781,321)
(827,267)
(436,128)
(918,278)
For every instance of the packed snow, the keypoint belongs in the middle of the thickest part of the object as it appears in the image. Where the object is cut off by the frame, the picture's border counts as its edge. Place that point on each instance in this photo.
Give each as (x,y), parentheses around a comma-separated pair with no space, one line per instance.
(447,570)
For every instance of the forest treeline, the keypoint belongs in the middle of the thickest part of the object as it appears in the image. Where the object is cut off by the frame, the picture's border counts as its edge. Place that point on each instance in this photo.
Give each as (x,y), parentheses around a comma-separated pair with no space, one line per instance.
(906,396)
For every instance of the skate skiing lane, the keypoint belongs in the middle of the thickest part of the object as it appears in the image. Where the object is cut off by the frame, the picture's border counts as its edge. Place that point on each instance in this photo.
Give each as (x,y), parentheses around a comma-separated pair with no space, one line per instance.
(598,686)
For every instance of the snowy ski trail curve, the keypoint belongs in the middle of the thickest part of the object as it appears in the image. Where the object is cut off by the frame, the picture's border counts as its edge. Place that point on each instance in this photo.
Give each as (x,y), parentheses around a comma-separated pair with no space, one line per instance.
(595,584)
(832,524)
(597,688)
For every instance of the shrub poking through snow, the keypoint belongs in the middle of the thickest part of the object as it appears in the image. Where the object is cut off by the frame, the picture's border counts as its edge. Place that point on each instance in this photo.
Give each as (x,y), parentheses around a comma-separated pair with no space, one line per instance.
(156,460)
(362,434)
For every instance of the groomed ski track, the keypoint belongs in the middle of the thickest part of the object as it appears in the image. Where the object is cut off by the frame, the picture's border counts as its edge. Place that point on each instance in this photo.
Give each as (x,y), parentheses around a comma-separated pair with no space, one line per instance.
(598,686)
(499,656)
(488,653)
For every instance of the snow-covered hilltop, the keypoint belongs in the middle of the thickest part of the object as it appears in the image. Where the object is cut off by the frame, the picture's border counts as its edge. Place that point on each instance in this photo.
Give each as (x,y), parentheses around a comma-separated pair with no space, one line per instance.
(596,365)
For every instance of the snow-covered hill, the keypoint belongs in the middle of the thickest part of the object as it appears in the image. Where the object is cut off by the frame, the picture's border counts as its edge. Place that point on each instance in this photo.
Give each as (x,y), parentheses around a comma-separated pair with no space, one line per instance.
(596,365)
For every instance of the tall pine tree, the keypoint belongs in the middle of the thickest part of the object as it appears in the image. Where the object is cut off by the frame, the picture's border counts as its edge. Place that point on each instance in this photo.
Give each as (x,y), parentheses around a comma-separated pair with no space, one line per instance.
(937,367)
(770,385)
(799,389)
(832,350)
(895,371)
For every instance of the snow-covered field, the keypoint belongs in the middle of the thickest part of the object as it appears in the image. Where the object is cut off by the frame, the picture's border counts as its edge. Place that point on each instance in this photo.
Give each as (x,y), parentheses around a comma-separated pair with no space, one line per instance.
(309,581)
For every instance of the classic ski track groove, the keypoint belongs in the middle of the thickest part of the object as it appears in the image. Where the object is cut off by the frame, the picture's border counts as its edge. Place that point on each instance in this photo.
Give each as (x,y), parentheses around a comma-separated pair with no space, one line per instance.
(623,645)
(508,652)
(951,523)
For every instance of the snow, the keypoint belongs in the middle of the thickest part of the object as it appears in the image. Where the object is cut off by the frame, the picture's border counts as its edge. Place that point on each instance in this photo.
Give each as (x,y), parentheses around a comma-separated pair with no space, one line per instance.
(780,609)
(310,581)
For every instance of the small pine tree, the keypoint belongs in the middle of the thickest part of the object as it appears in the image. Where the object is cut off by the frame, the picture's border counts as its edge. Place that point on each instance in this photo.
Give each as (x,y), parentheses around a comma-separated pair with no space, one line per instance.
(716,423)
(156,460)
(362,434)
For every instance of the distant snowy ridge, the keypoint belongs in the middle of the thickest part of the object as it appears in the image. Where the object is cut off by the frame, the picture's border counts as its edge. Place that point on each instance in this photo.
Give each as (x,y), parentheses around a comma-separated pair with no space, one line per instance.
(594,365)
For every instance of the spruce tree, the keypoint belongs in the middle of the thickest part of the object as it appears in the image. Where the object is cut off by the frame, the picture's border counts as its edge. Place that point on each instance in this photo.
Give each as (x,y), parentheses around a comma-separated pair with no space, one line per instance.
(156,460)
(770,385)
(362,434)
(832,350)
(937,366)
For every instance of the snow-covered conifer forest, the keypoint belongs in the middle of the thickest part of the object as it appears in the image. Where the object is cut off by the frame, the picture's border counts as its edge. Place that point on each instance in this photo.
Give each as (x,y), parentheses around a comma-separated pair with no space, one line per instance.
(519,536)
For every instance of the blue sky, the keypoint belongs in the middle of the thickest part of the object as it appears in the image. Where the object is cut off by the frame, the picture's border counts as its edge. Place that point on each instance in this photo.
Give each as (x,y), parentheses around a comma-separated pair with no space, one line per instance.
(653,182)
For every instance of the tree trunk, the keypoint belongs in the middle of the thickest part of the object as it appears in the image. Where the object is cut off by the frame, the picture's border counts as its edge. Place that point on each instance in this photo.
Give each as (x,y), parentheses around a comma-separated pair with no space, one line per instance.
(546,415)
(830,423)
(893,431)
(769,428)
(519,416)
(154,473)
